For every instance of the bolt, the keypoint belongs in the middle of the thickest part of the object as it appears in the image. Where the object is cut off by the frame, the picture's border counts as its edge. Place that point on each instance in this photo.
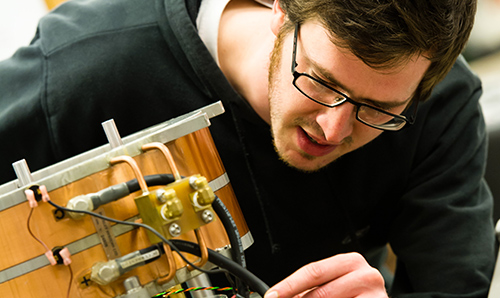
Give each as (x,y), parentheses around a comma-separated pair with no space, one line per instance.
(81,202)
(192,182)
(107,273)
(175,230)
(207,216)
(81,205)
(160,195)
(165,195)
(132,284)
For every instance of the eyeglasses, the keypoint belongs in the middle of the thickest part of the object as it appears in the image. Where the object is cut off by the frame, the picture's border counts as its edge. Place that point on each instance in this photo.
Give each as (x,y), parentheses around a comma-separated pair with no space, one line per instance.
(320,92)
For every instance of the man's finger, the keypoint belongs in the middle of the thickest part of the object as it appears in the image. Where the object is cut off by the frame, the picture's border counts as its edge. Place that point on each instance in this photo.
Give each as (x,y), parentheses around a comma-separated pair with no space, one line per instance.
(316,274)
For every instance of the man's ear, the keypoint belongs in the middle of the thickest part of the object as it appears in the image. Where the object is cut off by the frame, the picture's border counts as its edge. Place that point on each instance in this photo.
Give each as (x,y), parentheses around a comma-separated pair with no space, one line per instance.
(278,17)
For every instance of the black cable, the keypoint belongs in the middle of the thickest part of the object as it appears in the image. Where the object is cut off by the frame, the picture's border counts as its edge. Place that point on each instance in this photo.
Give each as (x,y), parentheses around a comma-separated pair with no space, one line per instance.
(151,180)
(233,234)
(231,230)
(234,268)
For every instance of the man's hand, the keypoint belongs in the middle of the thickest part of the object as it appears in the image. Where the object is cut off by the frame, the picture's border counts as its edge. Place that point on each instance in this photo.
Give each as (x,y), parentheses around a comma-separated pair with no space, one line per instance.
(341,276)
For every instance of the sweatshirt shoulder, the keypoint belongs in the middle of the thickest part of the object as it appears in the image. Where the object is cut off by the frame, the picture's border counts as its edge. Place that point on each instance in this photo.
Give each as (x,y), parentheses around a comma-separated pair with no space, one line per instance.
(460,77)
(76,20)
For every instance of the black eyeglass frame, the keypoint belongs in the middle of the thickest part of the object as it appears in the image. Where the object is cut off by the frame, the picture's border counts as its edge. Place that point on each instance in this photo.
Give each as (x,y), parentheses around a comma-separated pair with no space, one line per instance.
(408,120)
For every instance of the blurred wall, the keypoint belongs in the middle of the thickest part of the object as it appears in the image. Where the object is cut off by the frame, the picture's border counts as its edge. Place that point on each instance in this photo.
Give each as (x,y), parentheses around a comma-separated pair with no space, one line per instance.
(18,21)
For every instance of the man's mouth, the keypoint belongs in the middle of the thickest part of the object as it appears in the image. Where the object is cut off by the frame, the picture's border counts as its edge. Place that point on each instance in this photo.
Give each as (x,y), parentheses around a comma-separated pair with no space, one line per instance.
(311,146)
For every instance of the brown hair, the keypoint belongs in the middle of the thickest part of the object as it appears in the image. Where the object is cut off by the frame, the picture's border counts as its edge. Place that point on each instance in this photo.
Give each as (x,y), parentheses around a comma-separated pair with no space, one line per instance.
(386,33)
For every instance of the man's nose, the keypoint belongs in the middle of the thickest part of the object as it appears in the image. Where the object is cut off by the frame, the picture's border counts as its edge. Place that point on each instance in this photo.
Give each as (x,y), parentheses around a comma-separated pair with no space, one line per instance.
(337,123)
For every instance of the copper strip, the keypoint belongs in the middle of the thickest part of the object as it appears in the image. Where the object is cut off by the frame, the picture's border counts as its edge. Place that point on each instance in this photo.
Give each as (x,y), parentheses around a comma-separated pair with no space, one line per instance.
(203,249)
(164,150)
(137,172)
(172,267)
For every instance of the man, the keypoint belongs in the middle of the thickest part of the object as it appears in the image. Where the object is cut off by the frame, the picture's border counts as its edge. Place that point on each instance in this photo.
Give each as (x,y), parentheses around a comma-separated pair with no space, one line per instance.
(330,139)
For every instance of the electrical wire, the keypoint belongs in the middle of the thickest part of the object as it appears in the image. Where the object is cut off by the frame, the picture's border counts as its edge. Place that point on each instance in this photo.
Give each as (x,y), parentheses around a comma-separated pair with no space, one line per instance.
(231,231)
(151,180)
(47,249)
(70,279)
(193,289)
(31,232)
(233,234)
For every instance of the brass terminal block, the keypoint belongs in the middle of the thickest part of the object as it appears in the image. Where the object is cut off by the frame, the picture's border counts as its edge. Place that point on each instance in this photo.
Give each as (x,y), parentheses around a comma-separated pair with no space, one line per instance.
(182,206)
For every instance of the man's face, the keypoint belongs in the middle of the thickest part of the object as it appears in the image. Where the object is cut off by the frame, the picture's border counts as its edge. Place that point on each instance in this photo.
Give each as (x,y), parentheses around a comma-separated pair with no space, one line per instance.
(307,135)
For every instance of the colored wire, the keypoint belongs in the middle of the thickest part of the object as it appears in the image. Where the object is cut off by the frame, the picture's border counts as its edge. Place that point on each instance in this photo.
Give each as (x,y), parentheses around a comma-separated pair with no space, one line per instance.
(31,232)
(70,279)
(223,262)
(47,249)
(193,289)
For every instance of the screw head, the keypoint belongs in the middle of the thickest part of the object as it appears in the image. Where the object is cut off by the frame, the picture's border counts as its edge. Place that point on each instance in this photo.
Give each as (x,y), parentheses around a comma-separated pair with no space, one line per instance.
(175,229)
(207,216)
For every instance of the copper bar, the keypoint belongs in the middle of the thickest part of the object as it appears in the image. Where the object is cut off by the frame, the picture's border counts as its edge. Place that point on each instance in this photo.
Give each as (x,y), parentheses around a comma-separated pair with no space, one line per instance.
(137,172)
(203,249)
(172,267)
(164,150)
